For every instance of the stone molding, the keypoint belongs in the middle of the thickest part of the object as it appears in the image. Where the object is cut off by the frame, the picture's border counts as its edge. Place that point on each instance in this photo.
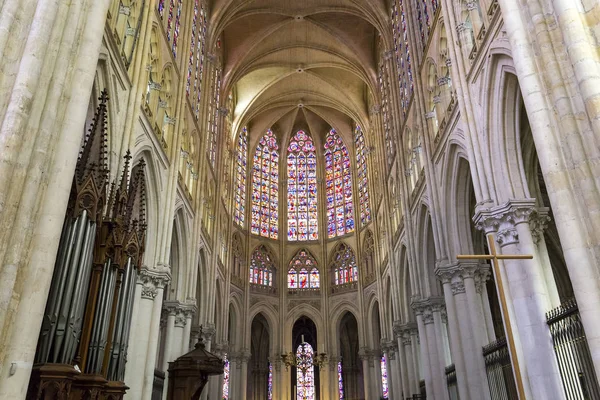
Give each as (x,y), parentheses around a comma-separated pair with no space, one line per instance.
(182,311)
(427,307)
(206,332)
(455,274)
(152,280)
(504,219)
(405,332)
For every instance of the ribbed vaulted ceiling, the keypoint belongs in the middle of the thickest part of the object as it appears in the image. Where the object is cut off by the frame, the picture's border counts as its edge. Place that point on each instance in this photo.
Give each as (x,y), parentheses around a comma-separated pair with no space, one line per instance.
(308,64)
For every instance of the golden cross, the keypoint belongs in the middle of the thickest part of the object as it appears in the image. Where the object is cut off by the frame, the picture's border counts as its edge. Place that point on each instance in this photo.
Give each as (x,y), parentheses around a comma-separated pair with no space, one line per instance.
(495,257)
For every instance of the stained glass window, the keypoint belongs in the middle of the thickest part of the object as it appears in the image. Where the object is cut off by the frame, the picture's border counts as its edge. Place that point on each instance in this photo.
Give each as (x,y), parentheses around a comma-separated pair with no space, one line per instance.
(303,272)
(343,264)
(262,267)
(384,87)
(161,7)
(403,57)
(176,28)
(362,175)
(270,383)
(384,377)
(302,189)
(239,213)
(340,381)
(338,181)
(265,187)
(213,116)
(225,378)
(193,86)
(305,373)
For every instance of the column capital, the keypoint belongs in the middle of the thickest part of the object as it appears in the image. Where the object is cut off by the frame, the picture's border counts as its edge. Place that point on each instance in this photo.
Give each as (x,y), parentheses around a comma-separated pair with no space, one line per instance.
(206,332)
(504,219)
(153,279)
(427,307)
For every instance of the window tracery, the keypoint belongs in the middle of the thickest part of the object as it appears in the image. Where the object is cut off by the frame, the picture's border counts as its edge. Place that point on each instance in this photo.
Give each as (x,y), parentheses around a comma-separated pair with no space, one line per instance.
(403,55)
(173,21)
(363,175)
(384,87)
(302,189)
(195,70)
(265,187)
(241,161)
(305,376)
(262,266)
(303,272)
(343,264)
(213,116)
(338,183)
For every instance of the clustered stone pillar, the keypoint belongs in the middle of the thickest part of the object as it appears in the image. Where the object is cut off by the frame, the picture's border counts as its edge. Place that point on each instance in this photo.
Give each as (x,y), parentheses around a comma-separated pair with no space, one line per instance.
(390,349)
(367,362)
(177,333)
(410,372)
(143,341)
(462,282)
(433,355)
(528,295)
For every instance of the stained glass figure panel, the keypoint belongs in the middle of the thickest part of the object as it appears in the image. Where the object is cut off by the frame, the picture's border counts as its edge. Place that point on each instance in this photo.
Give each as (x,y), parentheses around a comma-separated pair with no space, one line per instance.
(403,54)
(196,57)
(338,184)
(302,189)
(270,383)
(226,378)
(305,373)
(265,187)
(340,380)
(239,213)
(262,267)
(344,265)
(362,175)
(303,272)
(384,377)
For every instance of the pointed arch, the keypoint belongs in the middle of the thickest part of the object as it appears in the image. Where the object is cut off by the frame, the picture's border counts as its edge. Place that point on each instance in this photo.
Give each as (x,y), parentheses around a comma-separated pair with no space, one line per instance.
(338,184)
(265,187)
(303,223)
(342,265)
(262,267)
(303,271)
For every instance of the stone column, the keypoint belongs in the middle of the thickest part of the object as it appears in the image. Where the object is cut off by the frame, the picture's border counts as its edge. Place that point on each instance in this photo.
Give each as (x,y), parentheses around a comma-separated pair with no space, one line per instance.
(401,359)
(207,332)
(430,325)
(467,327)
(394,378)
(139,374)
(415,344)
(189,311)
(376,373)
(47,77)
(527,296)
(244,357)
(367,361)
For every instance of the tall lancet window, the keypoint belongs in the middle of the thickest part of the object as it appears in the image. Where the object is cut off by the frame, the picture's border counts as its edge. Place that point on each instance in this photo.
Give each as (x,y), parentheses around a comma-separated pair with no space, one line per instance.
(303,272)
(384,377)
(213,116)
(193,86)
(343,264)
(262,266)
(340,380)
(384,88)
(173,21)
(239,214)
(302,189)
(403,57)
(362,175)
(225,378)
(338,180)
(265,189)
(305,375)
(270,383)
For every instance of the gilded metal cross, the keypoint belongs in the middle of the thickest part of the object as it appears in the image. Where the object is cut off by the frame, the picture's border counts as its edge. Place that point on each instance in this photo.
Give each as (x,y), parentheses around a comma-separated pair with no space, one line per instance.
(509,335)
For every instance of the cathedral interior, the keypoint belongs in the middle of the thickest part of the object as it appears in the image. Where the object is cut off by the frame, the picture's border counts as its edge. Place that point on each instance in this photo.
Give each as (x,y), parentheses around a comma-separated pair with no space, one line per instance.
(329,199)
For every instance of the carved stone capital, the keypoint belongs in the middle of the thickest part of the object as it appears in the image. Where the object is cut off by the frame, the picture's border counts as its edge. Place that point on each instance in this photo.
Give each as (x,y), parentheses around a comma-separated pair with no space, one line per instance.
(207,332)
(458,287)
(504,219)
(375,109)
(152,280)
